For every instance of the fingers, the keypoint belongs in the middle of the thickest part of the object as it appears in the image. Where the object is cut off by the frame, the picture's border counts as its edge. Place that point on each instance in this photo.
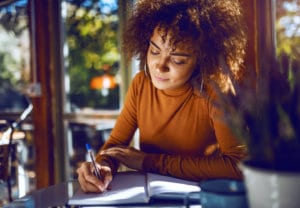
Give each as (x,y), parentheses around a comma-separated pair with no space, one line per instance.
(89,182)
(128,156)
(117,151)
(120,154)
(105,172)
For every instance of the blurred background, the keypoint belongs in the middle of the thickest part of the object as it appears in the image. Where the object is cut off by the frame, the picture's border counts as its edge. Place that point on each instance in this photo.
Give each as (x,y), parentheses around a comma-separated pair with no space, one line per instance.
(64,56)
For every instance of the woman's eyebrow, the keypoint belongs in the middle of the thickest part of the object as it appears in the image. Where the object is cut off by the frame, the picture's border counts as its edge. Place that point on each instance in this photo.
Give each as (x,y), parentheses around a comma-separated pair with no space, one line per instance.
(172,53)
(152,43)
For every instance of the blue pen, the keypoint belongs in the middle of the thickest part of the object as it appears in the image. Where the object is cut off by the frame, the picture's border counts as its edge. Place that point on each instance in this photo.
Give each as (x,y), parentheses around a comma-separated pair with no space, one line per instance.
(89,149)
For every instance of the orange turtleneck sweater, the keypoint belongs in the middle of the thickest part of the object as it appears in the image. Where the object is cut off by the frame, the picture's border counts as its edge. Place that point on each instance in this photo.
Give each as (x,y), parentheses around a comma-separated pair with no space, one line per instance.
(176,129)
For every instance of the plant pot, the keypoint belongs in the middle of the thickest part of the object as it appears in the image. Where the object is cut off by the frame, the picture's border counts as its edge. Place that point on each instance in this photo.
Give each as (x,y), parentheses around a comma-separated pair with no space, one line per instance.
(268,188)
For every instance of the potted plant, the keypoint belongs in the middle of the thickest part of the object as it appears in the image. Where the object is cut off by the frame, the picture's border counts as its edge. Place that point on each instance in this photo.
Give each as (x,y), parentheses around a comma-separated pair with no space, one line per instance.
(265,114)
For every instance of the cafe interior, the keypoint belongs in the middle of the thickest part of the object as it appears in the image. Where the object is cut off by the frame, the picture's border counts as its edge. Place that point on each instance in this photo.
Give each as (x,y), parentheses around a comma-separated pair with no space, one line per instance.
(63,79)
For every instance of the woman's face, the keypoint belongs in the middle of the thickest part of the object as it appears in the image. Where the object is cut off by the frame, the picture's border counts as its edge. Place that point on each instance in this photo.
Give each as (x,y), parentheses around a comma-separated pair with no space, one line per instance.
(170,67)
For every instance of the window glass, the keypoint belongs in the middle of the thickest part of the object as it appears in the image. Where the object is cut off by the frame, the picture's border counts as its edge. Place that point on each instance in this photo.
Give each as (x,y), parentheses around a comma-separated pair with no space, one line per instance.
(288,28)
(15,78)
(14,55)
(91,54)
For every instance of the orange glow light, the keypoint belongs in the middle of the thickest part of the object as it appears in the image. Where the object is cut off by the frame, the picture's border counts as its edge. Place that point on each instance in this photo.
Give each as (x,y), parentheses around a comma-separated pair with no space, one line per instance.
(105,81)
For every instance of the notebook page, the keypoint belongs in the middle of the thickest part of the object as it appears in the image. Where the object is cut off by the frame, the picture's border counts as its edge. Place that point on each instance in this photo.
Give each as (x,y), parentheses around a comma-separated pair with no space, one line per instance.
(126,188)
(170,186)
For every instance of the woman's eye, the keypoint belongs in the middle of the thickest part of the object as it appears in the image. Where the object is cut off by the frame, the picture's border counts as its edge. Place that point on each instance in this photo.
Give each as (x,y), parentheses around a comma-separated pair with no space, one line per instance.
(154,52)
(178,61)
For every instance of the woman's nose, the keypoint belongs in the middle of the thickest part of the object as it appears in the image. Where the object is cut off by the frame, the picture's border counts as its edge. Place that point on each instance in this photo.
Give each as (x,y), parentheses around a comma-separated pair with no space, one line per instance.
(162,65)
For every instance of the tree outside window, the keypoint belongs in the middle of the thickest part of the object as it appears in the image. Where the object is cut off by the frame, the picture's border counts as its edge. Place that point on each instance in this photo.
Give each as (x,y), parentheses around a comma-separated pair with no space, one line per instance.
(92,54)
(287,28)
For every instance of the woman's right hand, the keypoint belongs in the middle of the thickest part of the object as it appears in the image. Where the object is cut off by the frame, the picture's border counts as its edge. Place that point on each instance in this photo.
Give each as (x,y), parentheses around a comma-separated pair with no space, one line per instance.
(88,180)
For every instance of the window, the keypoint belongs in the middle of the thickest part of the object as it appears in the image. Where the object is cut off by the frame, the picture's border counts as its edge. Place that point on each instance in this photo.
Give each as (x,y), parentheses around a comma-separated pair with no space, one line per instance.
(15,78)
(91,54)
(287,28)
(93,78)
(14,54)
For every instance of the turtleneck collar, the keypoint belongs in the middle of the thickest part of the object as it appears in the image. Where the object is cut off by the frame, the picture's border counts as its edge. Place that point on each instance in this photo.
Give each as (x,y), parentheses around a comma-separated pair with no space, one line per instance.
(178,91)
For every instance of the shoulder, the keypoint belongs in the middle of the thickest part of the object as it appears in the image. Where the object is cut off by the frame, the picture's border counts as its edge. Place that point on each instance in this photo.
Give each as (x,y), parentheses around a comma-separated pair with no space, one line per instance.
(209,94)
(216,99)
(142,79)
(140,76)
(205,91)
(139,82)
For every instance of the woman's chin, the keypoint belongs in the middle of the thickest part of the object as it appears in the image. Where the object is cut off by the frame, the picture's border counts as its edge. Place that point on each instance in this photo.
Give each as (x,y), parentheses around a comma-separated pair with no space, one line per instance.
(160,86)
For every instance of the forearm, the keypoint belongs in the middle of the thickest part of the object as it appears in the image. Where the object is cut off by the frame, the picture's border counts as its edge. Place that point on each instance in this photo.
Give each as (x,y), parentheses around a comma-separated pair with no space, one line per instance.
(193,168)
(121,135)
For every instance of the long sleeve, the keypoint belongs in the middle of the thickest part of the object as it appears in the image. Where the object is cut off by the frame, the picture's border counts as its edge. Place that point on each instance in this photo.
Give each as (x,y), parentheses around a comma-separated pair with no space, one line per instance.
(220,163)
(177,128)
(124,128)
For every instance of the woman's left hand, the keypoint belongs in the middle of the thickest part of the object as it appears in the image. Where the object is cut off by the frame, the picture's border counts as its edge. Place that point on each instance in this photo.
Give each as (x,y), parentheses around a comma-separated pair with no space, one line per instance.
(129,156)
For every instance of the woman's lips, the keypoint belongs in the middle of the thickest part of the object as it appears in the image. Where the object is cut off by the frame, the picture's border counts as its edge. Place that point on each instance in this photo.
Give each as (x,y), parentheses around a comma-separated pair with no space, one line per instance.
(160,79)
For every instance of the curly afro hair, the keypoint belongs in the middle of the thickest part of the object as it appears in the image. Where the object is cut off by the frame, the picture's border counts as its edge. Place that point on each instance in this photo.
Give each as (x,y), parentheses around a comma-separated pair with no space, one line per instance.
(216,28)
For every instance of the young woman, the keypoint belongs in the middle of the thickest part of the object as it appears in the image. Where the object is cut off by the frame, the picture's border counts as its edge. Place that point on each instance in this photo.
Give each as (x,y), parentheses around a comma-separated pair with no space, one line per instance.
(182,46)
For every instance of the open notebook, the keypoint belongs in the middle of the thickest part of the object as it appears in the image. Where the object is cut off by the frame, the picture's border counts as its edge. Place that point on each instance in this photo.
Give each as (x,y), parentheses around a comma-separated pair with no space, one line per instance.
(136,188)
